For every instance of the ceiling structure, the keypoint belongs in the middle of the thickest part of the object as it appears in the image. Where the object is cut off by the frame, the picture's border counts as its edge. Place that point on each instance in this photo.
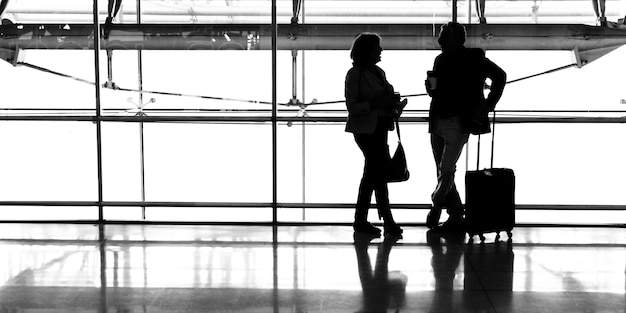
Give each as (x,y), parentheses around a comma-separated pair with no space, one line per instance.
(306,25)
(310,11)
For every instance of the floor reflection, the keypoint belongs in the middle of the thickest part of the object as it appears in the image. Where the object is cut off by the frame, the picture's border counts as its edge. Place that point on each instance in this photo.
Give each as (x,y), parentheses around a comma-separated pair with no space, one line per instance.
(382,289)
(447,252)
(308,269)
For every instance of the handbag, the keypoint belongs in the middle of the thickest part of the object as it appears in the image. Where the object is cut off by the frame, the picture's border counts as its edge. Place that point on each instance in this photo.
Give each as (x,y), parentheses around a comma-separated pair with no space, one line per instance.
(398,170)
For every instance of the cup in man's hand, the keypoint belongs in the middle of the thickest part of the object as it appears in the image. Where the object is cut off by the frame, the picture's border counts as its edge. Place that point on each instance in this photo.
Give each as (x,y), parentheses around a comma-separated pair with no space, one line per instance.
(431,80)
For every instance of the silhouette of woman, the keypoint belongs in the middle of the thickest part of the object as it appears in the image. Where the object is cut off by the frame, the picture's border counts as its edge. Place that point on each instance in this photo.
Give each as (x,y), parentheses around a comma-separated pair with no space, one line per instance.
(371,104)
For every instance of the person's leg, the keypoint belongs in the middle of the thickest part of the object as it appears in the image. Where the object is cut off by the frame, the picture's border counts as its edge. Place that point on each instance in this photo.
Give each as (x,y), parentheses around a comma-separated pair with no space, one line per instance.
(380,160)
(437,145)
(454,205)
(454,139)
(366,187)
(602,7)
(599,8)
(480,10)
(596,9)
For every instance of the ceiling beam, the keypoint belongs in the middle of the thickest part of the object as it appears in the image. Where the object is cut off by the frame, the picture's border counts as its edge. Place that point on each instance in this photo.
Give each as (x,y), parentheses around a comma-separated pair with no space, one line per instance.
(304,37)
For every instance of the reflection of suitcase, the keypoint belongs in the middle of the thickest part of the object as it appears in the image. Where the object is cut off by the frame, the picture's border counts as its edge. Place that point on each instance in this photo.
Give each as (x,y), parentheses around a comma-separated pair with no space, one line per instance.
(489,199)
(488,267)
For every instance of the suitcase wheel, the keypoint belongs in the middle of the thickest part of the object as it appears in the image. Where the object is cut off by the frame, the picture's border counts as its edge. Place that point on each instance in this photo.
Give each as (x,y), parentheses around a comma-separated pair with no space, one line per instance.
(508,233)
(471,237)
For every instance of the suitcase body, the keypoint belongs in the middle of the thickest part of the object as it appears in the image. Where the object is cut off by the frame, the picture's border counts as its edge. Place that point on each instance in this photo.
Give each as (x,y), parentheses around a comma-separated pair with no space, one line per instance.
(489,202)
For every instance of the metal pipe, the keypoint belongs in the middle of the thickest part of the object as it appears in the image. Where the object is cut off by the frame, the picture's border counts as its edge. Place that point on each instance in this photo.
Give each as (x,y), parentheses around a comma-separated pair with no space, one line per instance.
(141,128)
(274,47)
(98,121)
(455,11)
(310,119)
(290,205)
(262,12)
(305,37)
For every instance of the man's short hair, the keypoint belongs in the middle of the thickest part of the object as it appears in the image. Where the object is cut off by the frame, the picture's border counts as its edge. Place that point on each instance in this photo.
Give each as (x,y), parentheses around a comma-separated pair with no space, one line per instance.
(455,31)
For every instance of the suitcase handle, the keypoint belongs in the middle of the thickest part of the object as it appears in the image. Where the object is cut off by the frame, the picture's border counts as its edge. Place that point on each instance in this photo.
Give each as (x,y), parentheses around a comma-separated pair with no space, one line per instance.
(493,136)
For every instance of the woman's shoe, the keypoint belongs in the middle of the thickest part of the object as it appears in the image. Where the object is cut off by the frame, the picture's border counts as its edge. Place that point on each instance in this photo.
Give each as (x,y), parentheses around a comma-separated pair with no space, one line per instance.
(393,229)
(365,227)
(432,220)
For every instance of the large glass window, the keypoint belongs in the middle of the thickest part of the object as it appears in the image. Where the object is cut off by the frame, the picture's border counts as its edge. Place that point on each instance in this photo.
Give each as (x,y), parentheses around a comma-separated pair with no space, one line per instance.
(187,122)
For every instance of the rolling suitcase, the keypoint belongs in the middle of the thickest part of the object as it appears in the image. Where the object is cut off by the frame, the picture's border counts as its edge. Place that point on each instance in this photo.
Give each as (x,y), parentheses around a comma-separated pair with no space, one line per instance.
(489,198)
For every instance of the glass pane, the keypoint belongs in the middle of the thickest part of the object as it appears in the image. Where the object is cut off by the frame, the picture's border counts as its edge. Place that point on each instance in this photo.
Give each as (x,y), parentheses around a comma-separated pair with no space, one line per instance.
(48,161)
(60,11)
(194,83)
(36,88)
(380,12)
(122,161)
(436,12)
(560,163)
(210,214)
(48,213)
(312,11)
(213,12)
(594,86)
(570,217)
(124,213)
(208,162)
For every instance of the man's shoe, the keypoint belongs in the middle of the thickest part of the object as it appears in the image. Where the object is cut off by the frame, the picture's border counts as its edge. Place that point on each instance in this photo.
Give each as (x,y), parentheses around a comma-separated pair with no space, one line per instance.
(432,220)
(452,225)
(365,227)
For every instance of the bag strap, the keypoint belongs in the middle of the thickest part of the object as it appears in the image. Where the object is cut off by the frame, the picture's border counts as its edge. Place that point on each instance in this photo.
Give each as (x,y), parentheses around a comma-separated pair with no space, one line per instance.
(493,137)
(397,127)
(478,154)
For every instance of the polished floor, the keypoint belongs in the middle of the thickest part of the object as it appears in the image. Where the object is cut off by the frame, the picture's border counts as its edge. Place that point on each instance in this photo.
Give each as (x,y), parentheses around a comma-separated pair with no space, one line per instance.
(63,268)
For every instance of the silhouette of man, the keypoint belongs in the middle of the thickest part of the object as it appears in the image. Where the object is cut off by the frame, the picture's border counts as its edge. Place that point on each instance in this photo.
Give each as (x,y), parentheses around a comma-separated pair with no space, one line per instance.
(458,107)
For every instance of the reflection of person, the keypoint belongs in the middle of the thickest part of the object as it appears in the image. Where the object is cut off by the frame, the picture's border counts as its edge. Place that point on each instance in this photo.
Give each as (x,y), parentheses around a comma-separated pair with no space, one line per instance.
(381,289)
(599,8)
(114,8)
(445,263)
(456,86)
(371,104)
(480,8)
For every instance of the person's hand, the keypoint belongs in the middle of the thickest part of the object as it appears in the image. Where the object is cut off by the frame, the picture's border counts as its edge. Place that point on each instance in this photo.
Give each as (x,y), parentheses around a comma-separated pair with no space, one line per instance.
(428,87)
(397,111)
